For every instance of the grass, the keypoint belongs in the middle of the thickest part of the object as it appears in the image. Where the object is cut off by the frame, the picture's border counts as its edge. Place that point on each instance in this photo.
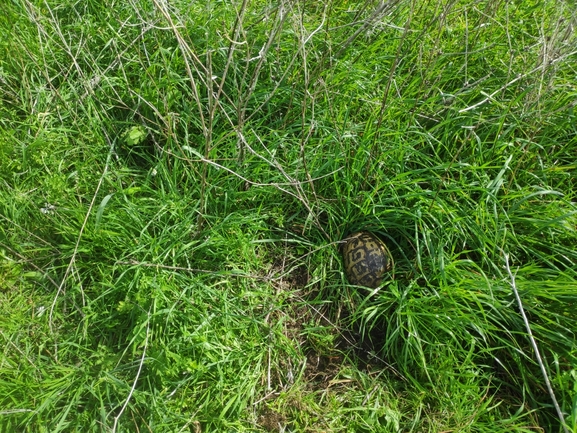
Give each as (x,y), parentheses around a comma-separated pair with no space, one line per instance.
(176,180)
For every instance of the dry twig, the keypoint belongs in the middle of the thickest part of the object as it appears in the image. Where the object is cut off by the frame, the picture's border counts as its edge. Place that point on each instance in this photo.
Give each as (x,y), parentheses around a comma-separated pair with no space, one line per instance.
(535,347)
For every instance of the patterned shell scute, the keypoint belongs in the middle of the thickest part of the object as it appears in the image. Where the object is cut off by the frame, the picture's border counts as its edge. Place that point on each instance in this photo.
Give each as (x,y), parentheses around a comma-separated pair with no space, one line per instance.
(366,259)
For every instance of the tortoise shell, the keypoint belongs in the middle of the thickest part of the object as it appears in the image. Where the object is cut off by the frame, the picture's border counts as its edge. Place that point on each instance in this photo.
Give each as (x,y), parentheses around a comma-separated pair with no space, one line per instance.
(366,259)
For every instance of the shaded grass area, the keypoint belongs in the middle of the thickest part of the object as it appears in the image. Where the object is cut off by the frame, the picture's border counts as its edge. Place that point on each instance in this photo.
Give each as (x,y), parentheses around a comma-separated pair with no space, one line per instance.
(175,181)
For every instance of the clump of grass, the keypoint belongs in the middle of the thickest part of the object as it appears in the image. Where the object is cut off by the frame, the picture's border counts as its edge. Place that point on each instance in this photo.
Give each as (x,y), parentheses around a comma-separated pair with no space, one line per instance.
(176,179)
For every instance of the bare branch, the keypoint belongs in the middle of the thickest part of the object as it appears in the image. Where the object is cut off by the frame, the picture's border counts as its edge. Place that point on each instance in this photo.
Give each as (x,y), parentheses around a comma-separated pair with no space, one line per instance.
(136,378)
(535,347)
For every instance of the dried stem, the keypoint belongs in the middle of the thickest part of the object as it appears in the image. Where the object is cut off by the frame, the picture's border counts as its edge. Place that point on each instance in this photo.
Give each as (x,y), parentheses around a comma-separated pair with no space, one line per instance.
(535,347)
(141,364)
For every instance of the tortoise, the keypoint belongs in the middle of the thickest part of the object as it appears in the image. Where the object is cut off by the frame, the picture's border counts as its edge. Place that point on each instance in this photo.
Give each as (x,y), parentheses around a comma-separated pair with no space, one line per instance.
(366,258)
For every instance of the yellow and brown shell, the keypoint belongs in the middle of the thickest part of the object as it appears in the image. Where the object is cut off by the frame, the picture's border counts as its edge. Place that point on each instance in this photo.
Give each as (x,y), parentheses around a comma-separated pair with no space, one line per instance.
(366,259)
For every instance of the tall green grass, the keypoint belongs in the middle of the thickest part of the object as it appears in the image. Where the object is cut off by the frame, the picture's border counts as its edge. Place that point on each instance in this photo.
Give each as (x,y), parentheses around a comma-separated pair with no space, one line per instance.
(176,179)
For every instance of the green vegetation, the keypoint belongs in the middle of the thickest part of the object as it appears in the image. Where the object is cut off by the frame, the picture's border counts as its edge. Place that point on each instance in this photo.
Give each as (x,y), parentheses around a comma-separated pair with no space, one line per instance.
(175,178)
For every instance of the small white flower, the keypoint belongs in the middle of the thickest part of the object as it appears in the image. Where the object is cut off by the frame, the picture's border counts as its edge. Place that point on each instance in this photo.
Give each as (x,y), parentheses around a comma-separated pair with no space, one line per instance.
(48,208)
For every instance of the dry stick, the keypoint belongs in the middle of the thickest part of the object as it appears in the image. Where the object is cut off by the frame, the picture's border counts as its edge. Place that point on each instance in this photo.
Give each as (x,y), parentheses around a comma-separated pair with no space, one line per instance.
(241,105)
(25,260)
(68,50)
(535,347)
(233,42)
(307,77)
(117,417)
(191,270)
(80,233)
(519,77)
(89,89)
(253,183)
(207,144)
(261,58)
(237,28)
(380,10)
(388,86)
(246,96)
(186,53)
(206,123)
(282,15)
(299,195)
(298,185)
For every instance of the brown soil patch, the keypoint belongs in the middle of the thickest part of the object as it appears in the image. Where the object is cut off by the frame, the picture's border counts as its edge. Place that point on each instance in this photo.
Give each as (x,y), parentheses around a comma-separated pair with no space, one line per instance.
(271,420)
